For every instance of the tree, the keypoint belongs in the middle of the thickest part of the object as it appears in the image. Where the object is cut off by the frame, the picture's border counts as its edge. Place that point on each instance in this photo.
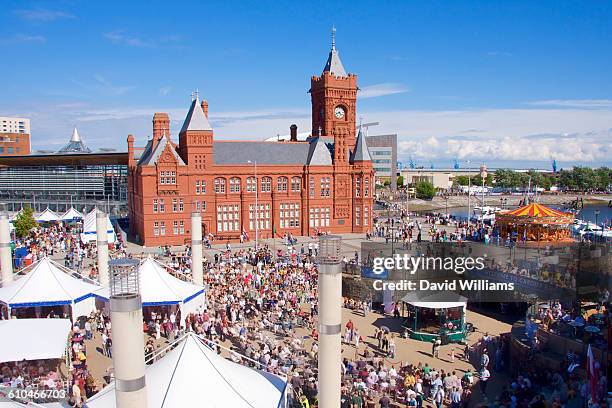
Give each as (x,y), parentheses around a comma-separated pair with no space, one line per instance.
(462,180)
(24,222)
(400,181)
(425,190)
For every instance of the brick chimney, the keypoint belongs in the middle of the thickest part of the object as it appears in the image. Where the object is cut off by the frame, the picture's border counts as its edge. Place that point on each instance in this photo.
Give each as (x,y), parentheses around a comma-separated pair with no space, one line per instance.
(205,107)
(161,125)
(293,133)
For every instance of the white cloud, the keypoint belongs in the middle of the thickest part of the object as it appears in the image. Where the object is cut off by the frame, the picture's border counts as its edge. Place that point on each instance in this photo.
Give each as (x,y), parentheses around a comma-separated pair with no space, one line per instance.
(122,38)
(519,135)
(165,90)
(40,14)
(574,103)
(119,37)
(23,38)
(388,88)
(103,86)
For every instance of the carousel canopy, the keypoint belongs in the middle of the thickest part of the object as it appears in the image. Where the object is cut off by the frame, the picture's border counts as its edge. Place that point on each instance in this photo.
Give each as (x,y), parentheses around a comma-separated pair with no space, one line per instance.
(46,284)
(158,287)
(71,214)
(438,300)
(47,216)
(33,339)
(173,381)
(536,210)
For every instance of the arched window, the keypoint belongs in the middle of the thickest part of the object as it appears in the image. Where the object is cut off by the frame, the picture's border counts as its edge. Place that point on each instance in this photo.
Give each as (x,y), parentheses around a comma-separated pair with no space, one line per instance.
(281,184)
(220,185)
(296,184)
(358,186)
(251,184)
(234,185)
(366,187)
(266,184)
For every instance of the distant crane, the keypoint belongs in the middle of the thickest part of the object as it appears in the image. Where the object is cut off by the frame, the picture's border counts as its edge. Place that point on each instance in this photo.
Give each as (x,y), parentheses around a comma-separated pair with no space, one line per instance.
(411,163)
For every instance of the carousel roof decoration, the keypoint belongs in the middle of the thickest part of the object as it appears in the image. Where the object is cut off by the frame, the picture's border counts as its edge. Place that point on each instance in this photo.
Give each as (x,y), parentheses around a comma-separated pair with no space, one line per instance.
(536,222)
(537,210)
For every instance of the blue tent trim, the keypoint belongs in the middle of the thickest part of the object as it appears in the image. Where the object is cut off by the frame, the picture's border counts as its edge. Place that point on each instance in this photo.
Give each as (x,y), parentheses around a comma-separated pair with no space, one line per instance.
(193,296)
(87,296)
(34,304)
(160,303)
(110,231)
(282,398)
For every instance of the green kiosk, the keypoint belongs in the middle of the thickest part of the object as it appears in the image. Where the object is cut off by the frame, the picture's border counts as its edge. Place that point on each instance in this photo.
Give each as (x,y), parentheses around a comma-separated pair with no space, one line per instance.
(440,315)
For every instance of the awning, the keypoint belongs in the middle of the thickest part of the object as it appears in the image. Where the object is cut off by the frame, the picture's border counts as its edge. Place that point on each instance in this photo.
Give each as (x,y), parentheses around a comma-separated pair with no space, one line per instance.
(33,339)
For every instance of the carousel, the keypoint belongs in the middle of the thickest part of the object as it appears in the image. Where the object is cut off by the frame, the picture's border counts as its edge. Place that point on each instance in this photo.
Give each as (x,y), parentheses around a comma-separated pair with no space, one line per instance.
(436,316)
(535,222)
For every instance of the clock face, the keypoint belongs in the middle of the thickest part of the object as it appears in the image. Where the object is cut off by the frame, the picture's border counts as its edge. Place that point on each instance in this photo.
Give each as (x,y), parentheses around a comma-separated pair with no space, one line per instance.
(339,112)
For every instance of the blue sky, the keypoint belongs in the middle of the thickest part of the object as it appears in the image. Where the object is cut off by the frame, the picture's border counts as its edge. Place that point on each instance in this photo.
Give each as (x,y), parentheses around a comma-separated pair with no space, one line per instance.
(499,81)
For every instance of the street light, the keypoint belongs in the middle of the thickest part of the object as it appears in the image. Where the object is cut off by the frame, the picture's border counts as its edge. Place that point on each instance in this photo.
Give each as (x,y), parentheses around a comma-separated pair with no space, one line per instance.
(596,222)
(256,204)
(483,176)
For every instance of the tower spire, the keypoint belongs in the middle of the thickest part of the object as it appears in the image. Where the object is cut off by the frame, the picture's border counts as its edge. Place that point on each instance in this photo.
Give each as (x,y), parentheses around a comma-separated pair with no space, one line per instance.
(333,37)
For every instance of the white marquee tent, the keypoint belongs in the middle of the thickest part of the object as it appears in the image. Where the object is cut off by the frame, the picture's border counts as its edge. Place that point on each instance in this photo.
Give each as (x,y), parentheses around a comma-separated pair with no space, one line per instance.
(33,339)
(48,283)
(47,216)
(72,214)
(159,288)
(89,228)
(193,375)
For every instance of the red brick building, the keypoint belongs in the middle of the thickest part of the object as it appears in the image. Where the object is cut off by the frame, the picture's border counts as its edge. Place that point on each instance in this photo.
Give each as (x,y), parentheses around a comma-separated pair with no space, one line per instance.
(325,184)
(14,144)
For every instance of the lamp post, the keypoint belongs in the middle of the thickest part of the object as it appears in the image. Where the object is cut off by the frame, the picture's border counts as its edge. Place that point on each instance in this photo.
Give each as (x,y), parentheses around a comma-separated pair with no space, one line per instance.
(469,175)
(483,176)
(256,205)
(596,222)
(6,256)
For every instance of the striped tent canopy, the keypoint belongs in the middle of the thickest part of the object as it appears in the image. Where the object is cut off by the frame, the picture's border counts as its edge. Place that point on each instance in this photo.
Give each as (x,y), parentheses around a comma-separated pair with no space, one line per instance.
(538,211)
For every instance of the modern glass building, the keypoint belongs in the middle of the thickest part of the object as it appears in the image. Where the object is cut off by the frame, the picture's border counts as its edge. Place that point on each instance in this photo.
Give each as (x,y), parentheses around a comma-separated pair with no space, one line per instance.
(72,176)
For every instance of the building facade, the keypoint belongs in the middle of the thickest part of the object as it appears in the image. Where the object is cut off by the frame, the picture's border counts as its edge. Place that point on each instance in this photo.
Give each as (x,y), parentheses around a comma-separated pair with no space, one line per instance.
(14,125)
(73,176)
(383,151)
(13,144)
(256,188)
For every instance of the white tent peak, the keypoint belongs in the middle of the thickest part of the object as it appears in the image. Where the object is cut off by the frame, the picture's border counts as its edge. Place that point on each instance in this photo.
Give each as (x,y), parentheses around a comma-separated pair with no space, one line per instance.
(72,214)
(158,287)
(47,216)
(172,379)
(89,227)
(48,283)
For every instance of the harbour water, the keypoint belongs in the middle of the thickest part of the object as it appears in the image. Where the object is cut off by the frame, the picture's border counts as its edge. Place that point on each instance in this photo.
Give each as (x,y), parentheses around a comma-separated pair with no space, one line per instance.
(586,214)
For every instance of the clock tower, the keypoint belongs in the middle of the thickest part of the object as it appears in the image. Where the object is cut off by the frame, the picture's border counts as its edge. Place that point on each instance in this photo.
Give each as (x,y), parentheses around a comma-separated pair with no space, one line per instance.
(333,96)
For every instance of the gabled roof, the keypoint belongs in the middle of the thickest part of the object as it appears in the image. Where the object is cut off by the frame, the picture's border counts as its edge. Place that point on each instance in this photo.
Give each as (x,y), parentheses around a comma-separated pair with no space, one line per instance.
(152,155)
(334,65)
(236,152)
(361,152)
(196,119)
(321,151)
